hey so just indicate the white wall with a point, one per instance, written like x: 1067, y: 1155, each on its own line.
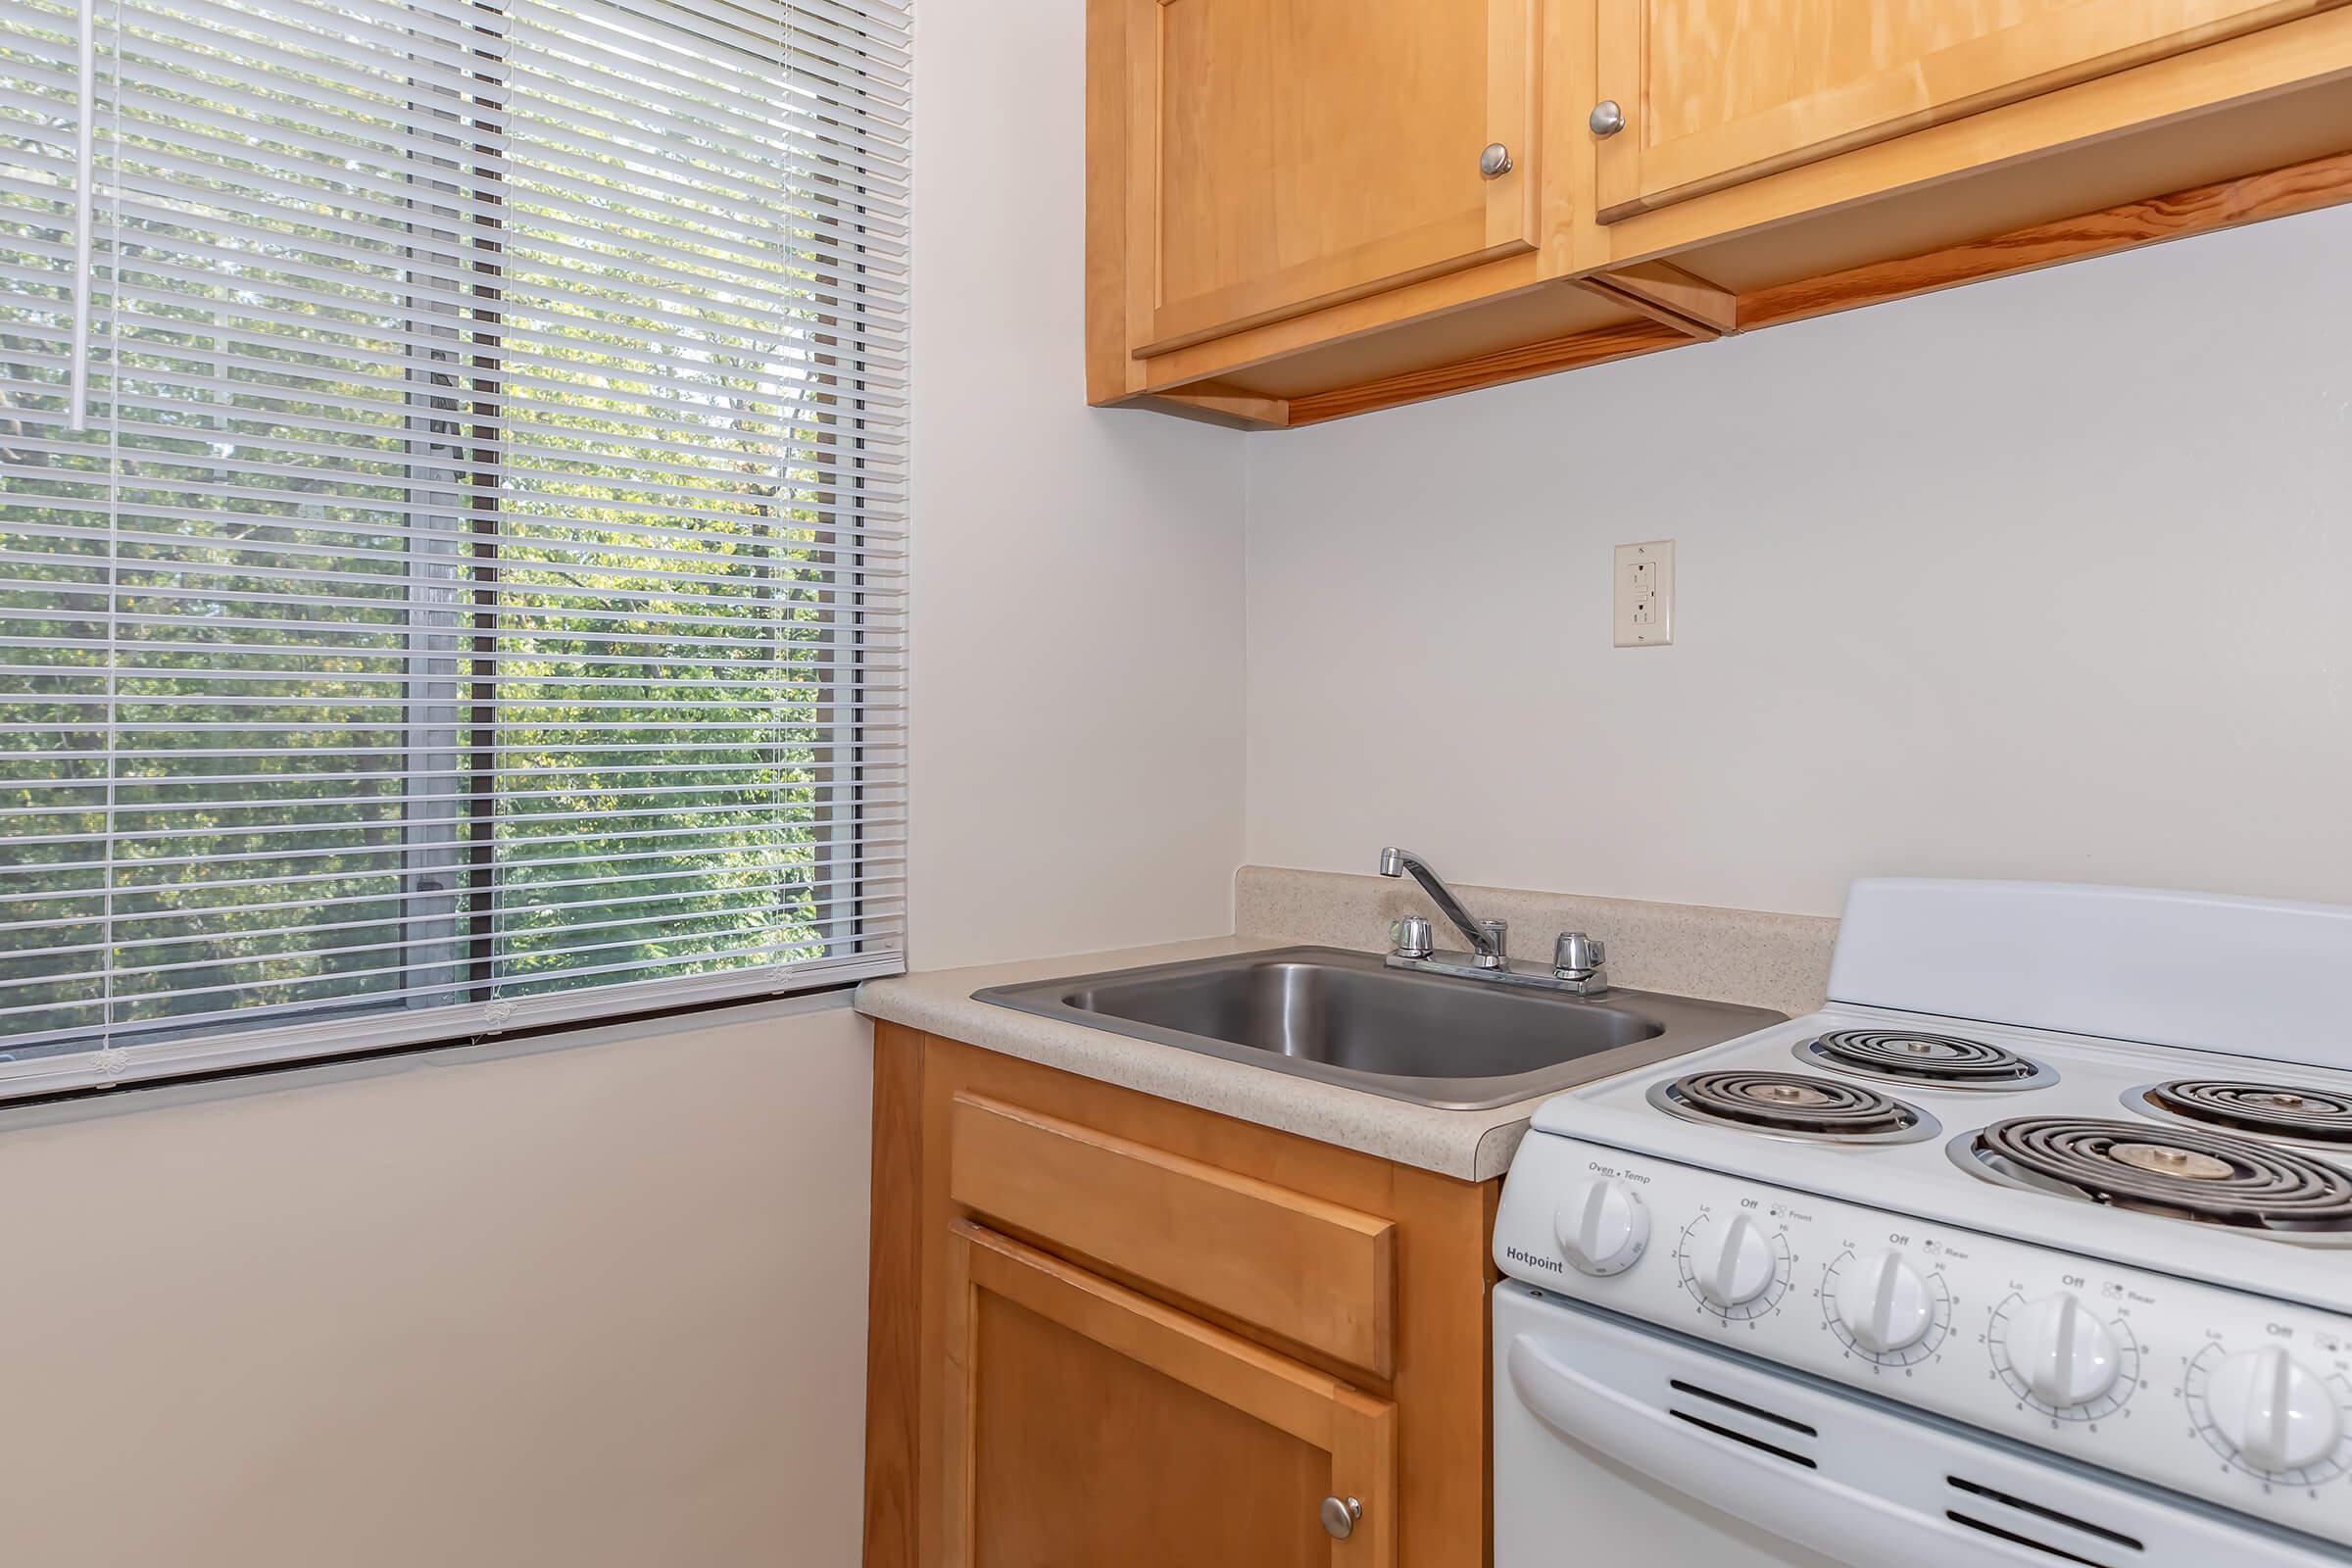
x: 600, y: 1306
x: 2050, y: 577
x: 1077, y: 573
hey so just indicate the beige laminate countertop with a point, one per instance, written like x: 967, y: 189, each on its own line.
x: 1472, y: 1145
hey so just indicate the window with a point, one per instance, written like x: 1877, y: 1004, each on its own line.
x: 452, y: 544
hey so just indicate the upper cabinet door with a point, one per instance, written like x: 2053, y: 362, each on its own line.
x: 1718, y: 91
x: 1290, y: 153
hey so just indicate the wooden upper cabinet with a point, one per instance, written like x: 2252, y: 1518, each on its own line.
x: 1290, y: 153
x: 1088, y: 1425
x: 1719, y: 91
x: 1286, y: 222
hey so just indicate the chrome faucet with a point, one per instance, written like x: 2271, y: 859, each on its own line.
x: 1579, y: 962
x: 1485, y: 937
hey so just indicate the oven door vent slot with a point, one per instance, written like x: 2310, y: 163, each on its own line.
x: 2021, y: 1516
x: 1788, y: 1423
x: 1757, y: 1444
x: 1725, y: 1417
x: 2055, y: 1554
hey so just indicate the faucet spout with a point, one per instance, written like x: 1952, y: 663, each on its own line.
x: 1485, y: 937
x: 1576, y: 959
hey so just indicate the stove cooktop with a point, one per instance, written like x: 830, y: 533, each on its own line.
x: 2100, y: 1145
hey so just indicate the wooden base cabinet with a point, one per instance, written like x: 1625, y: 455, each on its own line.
x: 1289, y: 220
x: 1107, y: 1329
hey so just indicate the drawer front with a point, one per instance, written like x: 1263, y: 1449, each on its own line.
x: 1314, y: 1272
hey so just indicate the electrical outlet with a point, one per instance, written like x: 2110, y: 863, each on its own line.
x: 1645, y: 595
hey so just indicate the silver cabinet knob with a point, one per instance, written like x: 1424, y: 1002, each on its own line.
x: 1607, y: 119
x: 1411, y: 936
x: 1340, y: 1515
x: 1496, y: 161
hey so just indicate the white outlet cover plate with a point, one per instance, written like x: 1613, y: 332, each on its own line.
x: 1643, y: 595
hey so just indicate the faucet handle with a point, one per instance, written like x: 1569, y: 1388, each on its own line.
x: 1575, y: 955
x: 1411, y: 936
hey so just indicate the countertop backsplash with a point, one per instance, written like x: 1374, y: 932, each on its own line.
x: 1744, y: 956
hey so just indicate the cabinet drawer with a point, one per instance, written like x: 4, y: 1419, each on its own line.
x: 1314, y: 1272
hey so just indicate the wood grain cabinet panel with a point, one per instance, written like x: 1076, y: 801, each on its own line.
x: 1088, y: 1425
x: 1716, y: 92
x: 1286, y: 220
x: 1311, y: 1271
x: 1068, y: 1370
x: 1288, y: 154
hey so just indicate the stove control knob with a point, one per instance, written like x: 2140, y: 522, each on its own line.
x: 1884, y: 1303
x: 1603, y: 1226
x: 2272, y: 1411
x: 2066, y: 1355
x: 1740, y: 1267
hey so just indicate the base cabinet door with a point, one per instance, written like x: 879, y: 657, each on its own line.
x: 1088, y: 1425
x: 1713, y: 92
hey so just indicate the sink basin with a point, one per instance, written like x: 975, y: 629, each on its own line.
x: 1345, y: 1017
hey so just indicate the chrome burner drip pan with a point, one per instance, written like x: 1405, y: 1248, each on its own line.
x: 2181, y: 1173
x: 1788, y: 1105
x: 2315, y: 1116
x: 1928, y: 1060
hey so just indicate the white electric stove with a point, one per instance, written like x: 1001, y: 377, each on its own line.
x: 2035, y: 1246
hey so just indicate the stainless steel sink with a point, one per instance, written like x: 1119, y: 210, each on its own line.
x: 1347, y: 1019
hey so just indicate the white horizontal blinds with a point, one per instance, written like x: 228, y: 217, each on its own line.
x: 209, y: 769
x: 51, y: 647
x: 476, y: 597
x: 699, y: 544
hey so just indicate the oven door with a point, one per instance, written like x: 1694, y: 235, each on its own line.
x: 1617, y: 1442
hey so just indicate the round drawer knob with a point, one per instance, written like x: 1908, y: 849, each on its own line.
x: 1607, y: 119
x: 1340, y: 1515
x: 1496, y: 161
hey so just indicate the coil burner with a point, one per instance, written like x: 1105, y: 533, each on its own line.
x: 1792, y: 1105
x: 2280, y: 1110
x: 1940, y: 1062
x: 2181, y: 1173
